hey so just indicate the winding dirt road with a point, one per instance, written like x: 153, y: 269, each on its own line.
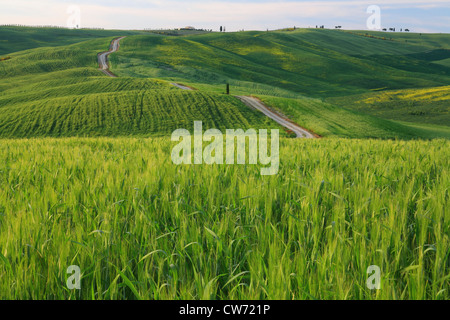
x: 249, y: 101
x: 256, y: 104
x: 181, y: 86
x: 103, y: 57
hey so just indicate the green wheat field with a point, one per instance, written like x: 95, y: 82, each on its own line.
x: 86, y: 176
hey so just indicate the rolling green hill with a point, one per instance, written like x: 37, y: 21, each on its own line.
x: 316, y: 77
x: 59, y: 92
x: 430, y: 40
x: 330, y: 120
x: 336, y: 66
x: 424, y: 105
x: 142, y: 112
x: 13, y: 39
x: 314, y: 63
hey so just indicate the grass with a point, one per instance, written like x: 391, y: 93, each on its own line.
x: 315, y: 63
x: 339, y: 67
x: 430, y: 105
x: 329, y: 120
x: 14, y: 39
x: 58, y: 91
x: 430, y: 40
x: 37, y: 61
x: 142, y: 228
x: 141, y: 113
x: 428, y: 131
x: 89, y: 188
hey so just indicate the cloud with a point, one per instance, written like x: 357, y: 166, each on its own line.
x: 236, y: 15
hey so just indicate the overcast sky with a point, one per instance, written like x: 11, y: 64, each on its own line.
x: 417, y: 15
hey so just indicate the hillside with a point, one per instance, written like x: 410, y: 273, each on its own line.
x: 336, y: 66
x: 425, y: 105
x: 13, y: 39
x: 315, y: 63
x: 322, y: 79
x: 59, y: 92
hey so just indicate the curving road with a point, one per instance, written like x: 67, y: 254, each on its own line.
x: 249, y: 101
x: 180, y: 86
x: 256, y: 104
x: 103, y: 57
